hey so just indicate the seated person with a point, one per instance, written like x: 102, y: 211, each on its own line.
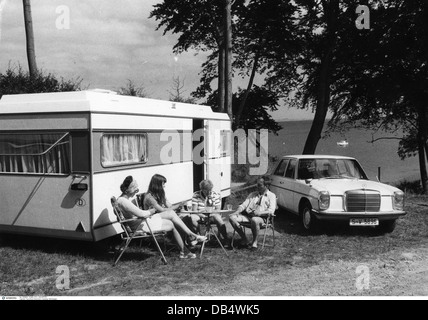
x: 206, y: 196
x: 155, y: 199
x: 129, y: 190
x: 258, y: 203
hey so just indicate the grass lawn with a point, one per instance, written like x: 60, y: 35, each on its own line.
x: 299, y: 264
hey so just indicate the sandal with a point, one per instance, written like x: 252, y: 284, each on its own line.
x: 190, y: 255
x: 198, y: 239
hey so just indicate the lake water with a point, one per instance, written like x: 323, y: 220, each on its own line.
x: 383, y: 154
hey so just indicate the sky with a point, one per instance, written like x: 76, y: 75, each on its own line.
x: 105, y: 43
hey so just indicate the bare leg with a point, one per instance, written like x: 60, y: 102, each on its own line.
x: 256, y: 222
x: 178, y: 223
x: 234, y: 221
x: 167, y: 225
x: 192, y: 222
x: 221, y: 226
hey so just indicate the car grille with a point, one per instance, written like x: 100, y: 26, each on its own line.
x: 362, y: 201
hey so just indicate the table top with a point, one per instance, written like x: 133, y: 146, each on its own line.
x: 205, y: 212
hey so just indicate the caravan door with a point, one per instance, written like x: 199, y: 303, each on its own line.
x: 217, y: 153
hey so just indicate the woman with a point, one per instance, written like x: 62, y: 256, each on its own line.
x: 155, y: 199
x: 129, y: 190
x: 155, y: 196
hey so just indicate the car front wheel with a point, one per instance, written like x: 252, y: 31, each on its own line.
x: 308, y: 219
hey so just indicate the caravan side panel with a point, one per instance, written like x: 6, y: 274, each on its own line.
x: 44, y: 205
x: 169, y: 153
x: 35, y: 202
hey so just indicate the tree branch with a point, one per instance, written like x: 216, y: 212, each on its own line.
x: 384, y: 138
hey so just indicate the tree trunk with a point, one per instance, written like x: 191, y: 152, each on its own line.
x: 331, y: 12
x: 422, y: 144
x: 31, y: 51
x: 221, y: 79
x: 323, y: 102
x: 247, y: 92
x: 228, y: 58
x: 422, y: 164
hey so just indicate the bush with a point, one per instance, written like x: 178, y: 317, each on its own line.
x: 412, y: 187
x: 17, y: 81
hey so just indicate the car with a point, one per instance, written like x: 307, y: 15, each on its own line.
x: 335, y: 188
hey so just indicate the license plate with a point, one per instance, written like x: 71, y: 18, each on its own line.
x: 364, y: 222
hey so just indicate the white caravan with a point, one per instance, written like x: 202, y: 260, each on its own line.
x: 64, y: 155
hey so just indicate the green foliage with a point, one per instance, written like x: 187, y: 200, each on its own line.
x: 17, y: 81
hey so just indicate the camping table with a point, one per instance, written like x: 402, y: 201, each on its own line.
x: 208, y: 229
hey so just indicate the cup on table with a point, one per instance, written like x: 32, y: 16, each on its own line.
x: 188, y: 206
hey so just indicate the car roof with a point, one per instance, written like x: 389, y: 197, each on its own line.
x: 317, y: 156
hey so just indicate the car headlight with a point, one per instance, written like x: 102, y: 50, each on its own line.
x: 398, y: 200
x: 324, y: 200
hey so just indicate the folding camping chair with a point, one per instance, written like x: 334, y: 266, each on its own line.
x: 268, y: 223
x: 209, y: 231
x: 128, y: 235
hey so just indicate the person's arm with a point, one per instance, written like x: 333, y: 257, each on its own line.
x: 154, y: 204
x: 171, y: 206
x: 270, y: 209
x: 242, y: 207
x: 217, y: 202
x: 195, y: 202
x: 129, y: 207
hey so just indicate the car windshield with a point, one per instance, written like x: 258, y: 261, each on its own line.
x: 330, y: 169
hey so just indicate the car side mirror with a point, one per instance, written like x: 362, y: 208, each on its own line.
x: 308, y: 181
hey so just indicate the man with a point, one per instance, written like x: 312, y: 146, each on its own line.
x: 258, y: 203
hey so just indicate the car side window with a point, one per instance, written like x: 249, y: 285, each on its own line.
x: 280, y: 171
x: 291, y: 169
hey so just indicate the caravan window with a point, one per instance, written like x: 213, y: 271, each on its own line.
x: 46, y: 153
x: 123, y: 149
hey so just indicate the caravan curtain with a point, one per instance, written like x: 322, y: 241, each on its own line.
x: 35, y: 153
x: 123, y: 149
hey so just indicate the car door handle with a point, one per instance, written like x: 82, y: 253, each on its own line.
x: 282, y: 182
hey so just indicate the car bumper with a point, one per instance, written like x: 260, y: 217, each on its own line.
x: 345, y: 216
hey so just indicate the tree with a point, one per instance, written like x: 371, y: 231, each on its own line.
x: 31, y: 51
x: 201, y: 26
x: 388, y: 88
x: 131, y: 89
x: 176, y: 95
x: 264, y: 34
x: 260, y: 100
